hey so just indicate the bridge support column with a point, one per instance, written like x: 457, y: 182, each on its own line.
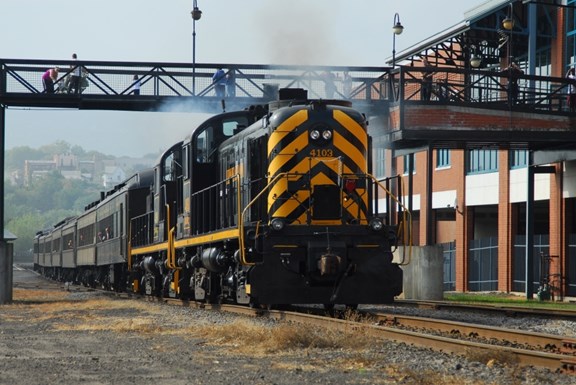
x: 6, y: 260
x: 5, y: 247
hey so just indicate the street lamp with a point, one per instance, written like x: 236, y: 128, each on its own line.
x: 508, y: 25
x: 397, y: 28
x: 508, y: 22
x: 196, y: 15
x: 476, y: 61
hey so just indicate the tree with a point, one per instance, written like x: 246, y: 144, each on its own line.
x: 16, y: 157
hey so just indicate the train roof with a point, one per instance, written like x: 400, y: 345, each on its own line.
x: 140, y: 179
x: 256, y: 111
x: 64, y: 221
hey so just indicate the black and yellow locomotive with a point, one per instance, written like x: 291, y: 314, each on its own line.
x: 270, y: 205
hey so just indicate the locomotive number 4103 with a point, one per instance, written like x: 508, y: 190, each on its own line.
x: 321, y: 153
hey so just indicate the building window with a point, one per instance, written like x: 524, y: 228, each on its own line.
x: 407, y: 161
x: 518, y: 158
x: 482, y: 161
x: 379, y: 163
x: 442, y: 158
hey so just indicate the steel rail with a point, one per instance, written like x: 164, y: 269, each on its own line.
x: 497, y: 308
x: 522, y: 357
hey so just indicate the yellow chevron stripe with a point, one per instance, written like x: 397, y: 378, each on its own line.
x: 290, y: 205
x: 287, y: 153
x: 351, y: 125
x: 351, y: 151
x: 302, y: 167
x: 321, y: 179
x: 285, y: 128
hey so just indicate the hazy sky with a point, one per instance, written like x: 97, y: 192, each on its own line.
x: 325, y: 32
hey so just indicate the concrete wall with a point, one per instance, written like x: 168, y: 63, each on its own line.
x: 424, y: 275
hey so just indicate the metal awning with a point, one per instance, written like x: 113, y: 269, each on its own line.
x: 458, y: 33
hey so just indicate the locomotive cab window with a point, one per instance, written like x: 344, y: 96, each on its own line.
x: 204, y: 146
x: 210, y: 137
x: 185, y: 161
x: 171, y: 167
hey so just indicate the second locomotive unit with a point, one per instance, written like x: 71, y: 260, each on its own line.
x: 265, y: 206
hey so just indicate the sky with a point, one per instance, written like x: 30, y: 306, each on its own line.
x: 321, y: 32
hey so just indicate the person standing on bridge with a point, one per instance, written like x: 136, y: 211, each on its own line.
x: 48, y: 79
x: 219, y: 80
x: 427, y: 77
x: 513, y: 71
x: 571, y: 77
x: 136, y: 85
x: 231, y: 83
x: 75, y: 76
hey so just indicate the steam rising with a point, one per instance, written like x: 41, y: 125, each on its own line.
x: 298, y: 32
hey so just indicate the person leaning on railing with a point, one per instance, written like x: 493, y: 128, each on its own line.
x: 571, y: 98
x: 513, y: 71
x: 48, y: 79
x: 427, y: 77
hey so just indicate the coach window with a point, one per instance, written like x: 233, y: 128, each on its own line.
x: 86, y: 235
x: 68, y: 241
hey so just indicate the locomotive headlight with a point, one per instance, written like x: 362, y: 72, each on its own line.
x: 327, y: 134
x: 277, y: 224
x: 376, y: 224
x: 314, y: 134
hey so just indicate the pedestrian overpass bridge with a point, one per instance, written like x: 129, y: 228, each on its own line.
x: 468, y: 108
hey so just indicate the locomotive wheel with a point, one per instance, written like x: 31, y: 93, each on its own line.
x: 353, y: 306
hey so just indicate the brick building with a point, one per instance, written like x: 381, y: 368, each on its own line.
x: 491, y: 175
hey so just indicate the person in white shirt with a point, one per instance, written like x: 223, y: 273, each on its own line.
x: 75, y: 76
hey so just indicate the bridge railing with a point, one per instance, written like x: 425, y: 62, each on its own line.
x: 184, y: 79
x: 482, y: 88
x: 259, y: 83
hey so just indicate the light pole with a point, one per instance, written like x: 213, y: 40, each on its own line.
x: 397, y: 28
x: 196, y: 15
x: 508, y: 25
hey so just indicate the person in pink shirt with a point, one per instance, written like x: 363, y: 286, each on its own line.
x: 48, y: 79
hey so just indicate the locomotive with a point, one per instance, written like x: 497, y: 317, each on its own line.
x: 271, y: 205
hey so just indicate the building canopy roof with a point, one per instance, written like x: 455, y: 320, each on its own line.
x: 481, y: 33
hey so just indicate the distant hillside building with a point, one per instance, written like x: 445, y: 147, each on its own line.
x: 112, y: 176
x: 67, y: 164
x: 37, y: 168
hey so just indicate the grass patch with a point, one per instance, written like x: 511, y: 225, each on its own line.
x: 246, y: 336
x: 505, y: 299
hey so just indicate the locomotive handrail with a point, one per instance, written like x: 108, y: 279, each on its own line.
x: 171, y: 254
x: 241, y: 219
x: 406, y: 226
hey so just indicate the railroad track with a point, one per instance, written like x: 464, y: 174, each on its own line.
x: 508, y: 310
x: 536, y: 349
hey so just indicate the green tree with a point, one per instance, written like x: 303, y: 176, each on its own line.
x: 56, y: 148
x: 16, y: 157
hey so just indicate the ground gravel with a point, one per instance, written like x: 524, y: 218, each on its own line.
x: 69, y: 337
